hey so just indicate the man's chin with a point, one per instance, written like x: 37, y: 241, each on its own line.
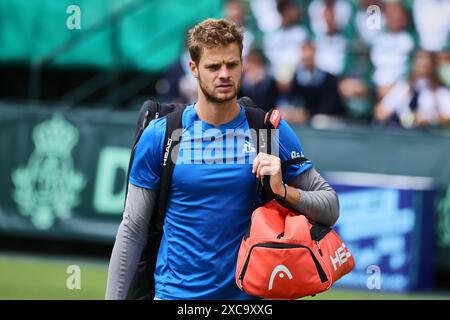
x: 222, y: 98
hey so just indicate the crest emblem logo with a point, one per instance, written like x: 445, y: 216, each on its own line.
x: 48, y: 187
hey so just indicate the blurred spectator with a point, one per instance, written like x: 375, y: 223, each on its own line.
x: 313, y: 92
x: 391, y: 49
x: 331, y: 45
x: 281, y: 46
x: 368, y: 33
x: 257, y: 83
x: 355, y: 85
x: 356, y: 98
x: 266, y: 14
x: 235, y: 11
x: 420, y: 101
x: 443, y: 59
x: 432, y: 21
x: 341, y: 10
x: 178, y: 84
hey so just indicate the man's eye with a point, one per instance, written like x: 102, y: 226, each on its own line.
x: 212, y: 67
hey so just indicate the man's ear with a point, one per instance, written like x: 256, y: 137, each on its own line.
x: 193, y: 68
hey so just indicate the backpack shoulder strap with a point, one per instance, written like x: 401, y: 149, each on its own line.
x: 149, y: 110
x: 255, y: 118
x: 262, y: 123
x: 170, y: 154
x: 143, y: 285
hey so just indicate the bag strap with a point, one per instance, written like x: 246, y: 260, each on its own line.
x: 144, y: 118
x: 257, y: 120
x: 271, y: 121
x: 266, y: 185
x: 170, y: 154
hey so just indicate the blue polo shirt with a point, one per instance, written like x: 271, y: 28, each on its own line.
x: 210, y: 203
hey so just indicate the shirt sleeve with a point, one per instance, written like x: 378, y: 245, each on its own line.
x: 130, y: 241
x: 286, y: 143
x: 318, y: 200
x: 147, y: 163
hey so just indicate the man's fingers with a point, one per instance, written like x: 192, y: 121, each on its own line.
x: 262, y: 163
x: 268, y: 171
x: 265, y: 164
x: 268, y: 167
x: 257, y: 159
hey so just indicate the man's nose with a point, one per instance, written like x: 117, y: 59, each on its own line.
x: 224, y: 73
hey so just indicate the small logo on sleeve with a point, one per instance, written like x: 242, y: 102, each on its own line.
x: 296, y: 154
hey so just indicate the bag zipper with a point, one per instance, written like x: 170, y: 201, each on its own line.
x: 320, y: 271
x: 318, y: 247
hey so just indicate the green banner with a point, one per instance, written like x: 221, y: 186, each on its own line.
x: 63, y: 172
x: 127, y: 34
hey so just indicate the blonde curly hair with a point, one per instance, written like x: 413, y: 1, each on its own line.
x: 212, y: 33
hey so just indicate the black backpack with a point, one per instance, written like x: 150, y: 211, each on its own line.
x: 143, y: 286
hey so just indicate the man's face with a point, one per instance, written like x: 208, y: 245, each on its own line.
x: 396, y: 16
x: 235, y: 12
x: 423, y: 65
x: 219, y: 73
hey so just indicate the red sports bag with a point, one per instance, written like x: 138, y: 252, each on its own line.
x: 284, y: 256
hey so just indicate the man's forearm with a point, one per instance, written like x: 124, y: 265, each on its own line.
x: 311, y: 195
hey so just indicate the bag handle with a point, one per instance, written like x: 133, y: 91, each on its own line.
x: 265, y: 183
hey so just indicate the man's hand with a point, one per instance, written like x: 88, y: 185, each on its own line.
x: 266, y: 164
